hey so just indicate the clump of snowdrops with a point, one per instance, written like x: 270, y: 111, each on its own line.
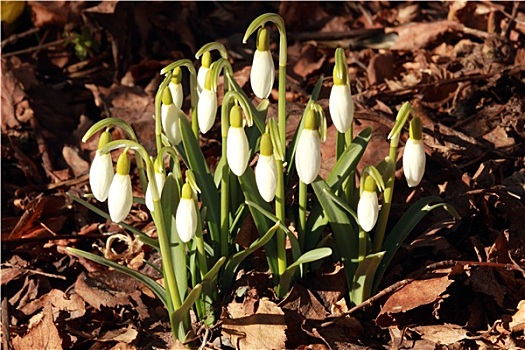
x: 199, y: 213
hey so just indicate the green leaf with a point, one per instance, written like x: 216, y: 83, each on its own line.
x: 237, y: 258
x: 308, y: 257
x: 401, y: 120
x: 177, y: 317
x: 296, y: 249
x: 404, y: 226
x: 210, y: 193
x: 148, y: 281
x: 248, y: 186
x: 364, y: 278
x: 340, y: 202
x: 170, y: 200
x: 348, y: 161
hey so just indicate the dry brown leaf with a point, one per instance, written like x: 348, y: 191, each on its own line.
x: 415, y: 36
x: 309, y: 61
x: 263, y: 330
x: 519, y: 317
x: 75, y: 161
x: 125, y: 335
x: 442, y: 334
x: 105, y: 288
x: 42, y: 334
x: 415, y: 294
x: 304, y: 302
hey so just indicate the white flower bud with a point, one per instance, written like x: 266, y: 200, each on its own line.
x: 160, y: 180
x: 414, y: 161
x: 341, y: 107
x: 237, y: 150
x: 262, y: 74
x: 368, y: 210
x: 170, y: 118
x: 266, y: 176
x: 308, y: 155
x: 186, y: 215
x: 120, y: 197
x: 176, y: 93
x: 206, y: 110
x: 100, y: 175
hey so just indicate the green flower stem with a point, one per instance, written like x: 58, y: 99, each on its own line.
x: 301, y: 227
x: 201, y: 252
x: 363, y: 241
x: 281, y: 119
x: 350, y: 189
x: 382, y: 221
x: 158, y: 219
x: 225, y: 184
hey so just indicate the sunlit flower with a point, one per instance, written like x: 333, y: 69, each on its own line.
x: 266, y: 170
x: 203, y: 71
x: 237, y: 147
x: 120, y: 196
x: 101, y: 172
x: 207, y: 106
x: 308, y: 154
x: 175, y: 87
x: 262, y: 74
x: 160, y: 180
x: 170, y: 117
x: 414, y: 157
x: 341, y: 105
x: 186, y: 216
x: 368, y: 206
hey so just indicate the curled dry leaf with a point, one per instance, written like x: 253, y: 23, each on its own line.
x: 43, y: 333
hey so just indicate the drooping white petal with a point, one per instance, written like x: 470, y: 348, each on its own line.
x: 201, y: 78
x: 100, y: 175
x: 341, y: 107
x: 308, y: 156
x: 266, y: 177
x: 367, y: 210
x: 120, y: 197
x: 176, y: 93
x: 160, y: 179
x: 170, y: 115
x: 414, y: 160
x: 206, y: 110
x: 186, y: 219
x: 262, y: 74
x: 237, y: 150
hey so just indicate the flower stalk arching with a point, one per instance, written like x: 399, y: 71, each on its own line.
x: 106, y: 124
x: 281, y: 115
x: 168, y: 270
x: 193, y: 92
x: 393, y: 136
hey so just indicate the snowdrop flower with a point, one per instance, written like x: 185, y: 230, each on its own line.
x: 414, y: 154
x: 340, y: 104
x: 262, y: 74
x: 170, y: 115
x: 207, y: 106
x: 120, y: 197
x: 186, y: 216
x: 160, y: 180
x: 203, y: 71
x: 368, y: 206
x: 237, y: 147
x: 266, y: 170
x: 308, y: 154
x: 175, y: 87
x: 101, y: 172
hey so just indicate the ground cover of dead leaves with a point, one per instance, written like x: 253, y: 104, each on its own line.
x: 461, y: 64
